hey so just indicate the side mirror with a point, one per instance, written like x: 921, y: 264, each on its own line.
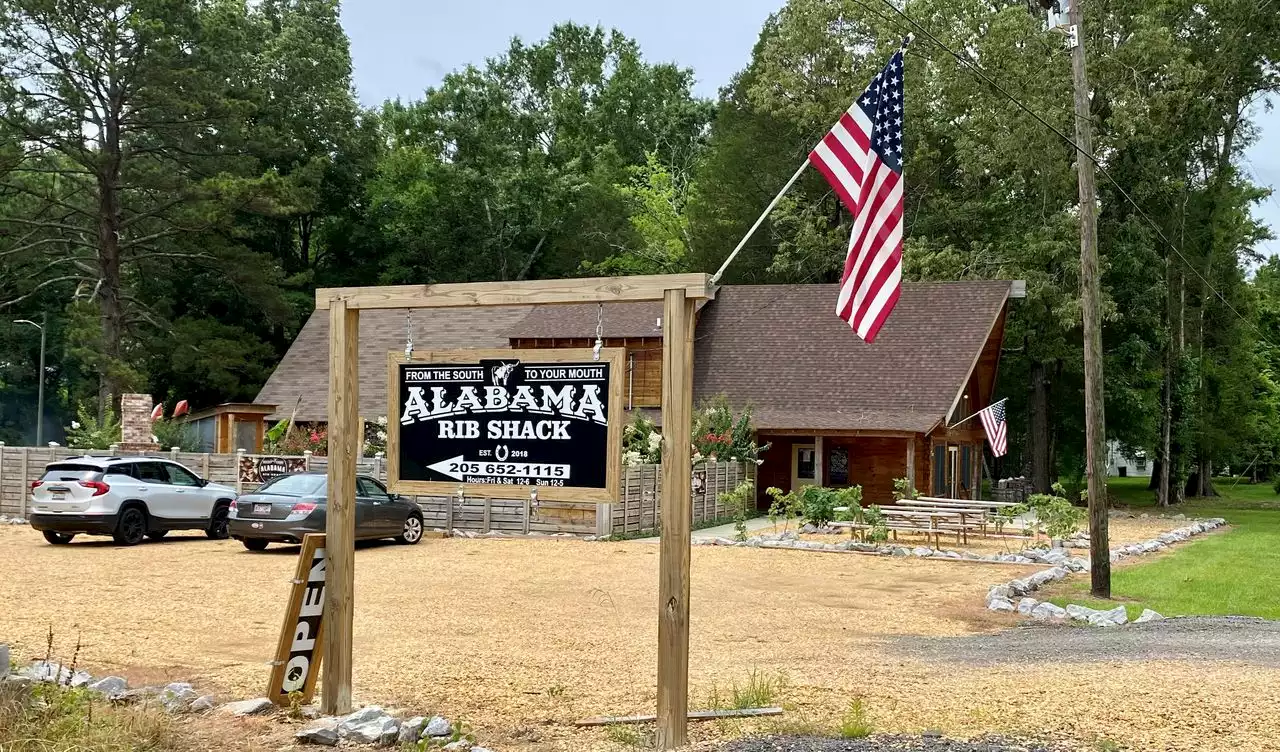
x: 203, y: 482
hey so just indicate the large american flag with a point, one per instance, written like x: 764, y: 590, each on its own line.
x: 862, y: 160
x: 997, y: 430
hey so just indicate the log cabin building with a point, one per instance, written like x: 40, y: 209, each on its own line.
x: 836, y: 410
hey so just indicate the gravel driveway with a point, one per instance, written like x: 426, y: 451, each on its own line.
x: 882, y: 744
x: 1228, y: 638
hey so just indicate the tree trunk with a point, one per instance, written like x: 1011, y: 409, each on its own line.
x: 1160, y: 479
x: 1175, y: 459
x: 1038, y: 433
x: 1157, y: 474
x: 109, y: 292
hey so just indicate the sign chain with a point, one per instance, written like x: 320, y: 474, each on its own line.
x: 595, y: 350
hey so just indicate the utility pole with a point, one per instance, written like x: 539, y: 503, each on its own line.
x: 1090, y: 302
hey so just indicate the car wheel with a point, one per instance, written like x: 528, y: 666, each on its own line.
x: 412, y: 532
x: 217, y: 529
x: 157, y: 534
x: 131, y: 528
x: 57, y: 539
x: 255, y: 544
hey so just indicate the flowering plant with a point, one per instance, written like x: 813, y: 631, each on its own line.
x: 302, y: 439
x: 719, y: 435
x: 375, y: 436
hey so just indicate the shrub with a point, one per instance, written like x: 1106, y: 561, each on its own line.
x: 1275, y: 484
x: 170, y: 433
x: 785, y: 506
x: 641, y: 442
x: 1058, y: 517
x: 87, y: 433
x: 740, y: 501
x: 873, y: 517
x: 902, y: 489
x: 718, y: 434
x: 856, y: 723
x: 819, y: 504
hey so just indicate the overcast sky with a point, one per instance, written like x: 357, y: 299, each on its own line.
x: 400, y: 47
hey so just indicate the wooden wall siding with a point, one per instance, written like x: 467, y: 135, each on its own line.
x: 639, y: 506
x: 636, y: 509
x: 776, y: 470
x: 644, y: 354
x: 874, y: 463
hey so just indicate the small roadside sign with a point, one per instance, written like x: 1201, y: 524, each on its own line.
x: 297, y: 663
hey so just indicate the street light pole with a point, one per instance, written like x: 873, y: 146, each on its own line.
x: 40, y: 379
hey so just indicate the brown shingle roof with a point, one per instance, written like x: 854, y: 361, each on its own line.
x: 620, y: 320
x: 779, y: 347
x: 782, y: 348
x: 304, y: 370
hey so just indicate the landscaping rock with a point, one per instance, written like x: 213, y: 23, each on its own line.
x: 370, y: 725
x: 1048, y: 611
x: 248, y: 707
x: 921, y: 551
x: 1020, y: 587
x: 1080, y: 613
x: 462, y: 745
x: 1146, y: 616
x: 324, y: 733
x: 1001, y: 604
x: 437, y: 726
x: 1001, y: 591
x: 1027, y: 605
x: 411, y: 730
x: 1041, y: 578
x: 177, y: 696
x: 4, y: 661
x: 52, y: 671
x: 111, y: 686
x: 1100, y: 619
x: 900, y: 551
x: 203, y: 704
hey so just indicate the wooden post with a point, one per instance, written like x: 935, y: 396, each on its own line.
x: 1090, y: 303
x: 23, y: 483
x: 911, y: 462
x: 488, y: 503
x: 1, y: 473
x: 340, y: 521
x: 673, y: 567
x: 239, y: 481
x: 817, y: 461
x: 204, y: 466
x: 528, y: 510
x: 626, y: 493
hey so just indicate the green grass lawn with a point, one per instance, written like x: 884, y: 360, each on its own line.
x: 1225, y: 573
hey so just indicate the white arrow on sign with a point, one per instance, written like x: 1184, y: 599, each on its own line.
x: 458, y: 467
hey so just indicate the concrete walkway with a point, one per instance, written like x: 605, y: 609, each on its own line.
x: 726, y: 530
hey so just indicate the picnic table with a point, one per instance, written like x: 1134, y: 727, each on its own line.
x: 934, y: 521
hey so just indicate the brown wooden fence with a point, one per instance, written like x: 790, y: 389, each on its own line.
x: 637, y: 509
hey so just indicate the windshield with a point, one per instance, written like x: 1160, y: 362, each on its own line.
x: 71, y: 472
x: 294, y: 485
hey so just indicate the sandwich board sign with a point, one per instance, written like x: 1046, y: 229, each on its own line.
x: 506, y: 422
x: 297, y: 663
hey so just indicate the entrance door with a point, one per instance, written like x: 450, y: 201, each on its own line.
x: 803, y: 465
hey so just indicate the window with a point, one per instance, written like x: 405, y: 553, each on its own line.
x: 149, y: 472
x: 804, y: 463
x: 303, y: 484
x: 70, y: 472
x: 1140, y: 460
x: 180, y: 476
x: 370, y: 489
x: 965, y: 467
x: 839, y: 466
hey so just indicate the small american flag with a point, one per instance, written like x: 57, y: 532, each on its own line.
x: 862, y: 160
x: 997, y: 430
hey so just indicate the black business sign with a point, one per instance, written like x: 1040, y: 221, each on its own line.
x: 542, y: 418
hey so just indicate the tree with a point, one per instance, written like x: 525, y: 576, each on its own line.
x: 124, y: 136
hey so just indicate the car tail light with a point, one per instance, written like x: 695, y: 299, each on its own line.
x: 303, y: 507
x: 99, y: 488
x: 232, y: 508
x: 36, y: 484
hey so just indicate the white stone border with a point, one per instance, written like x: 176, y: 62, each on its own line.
x: 1000, y: 597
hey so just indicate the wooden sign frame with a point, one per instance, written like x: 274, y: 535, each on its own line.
x: 289, y: 630
x: 614, y: 356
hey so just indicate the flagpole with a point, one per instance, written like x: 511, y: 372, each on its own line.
x: 980, y: 412
x: 715, y: 278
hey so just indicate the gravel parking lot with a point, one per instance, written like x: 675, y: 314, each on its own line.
x: 522, y: 637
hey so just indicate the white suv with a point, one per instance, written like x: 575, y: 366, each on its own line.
x: 127, y: 498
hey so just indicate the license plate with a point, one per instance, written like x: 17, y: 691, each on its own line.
x: 59, y: 495
x: 262, y: 509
